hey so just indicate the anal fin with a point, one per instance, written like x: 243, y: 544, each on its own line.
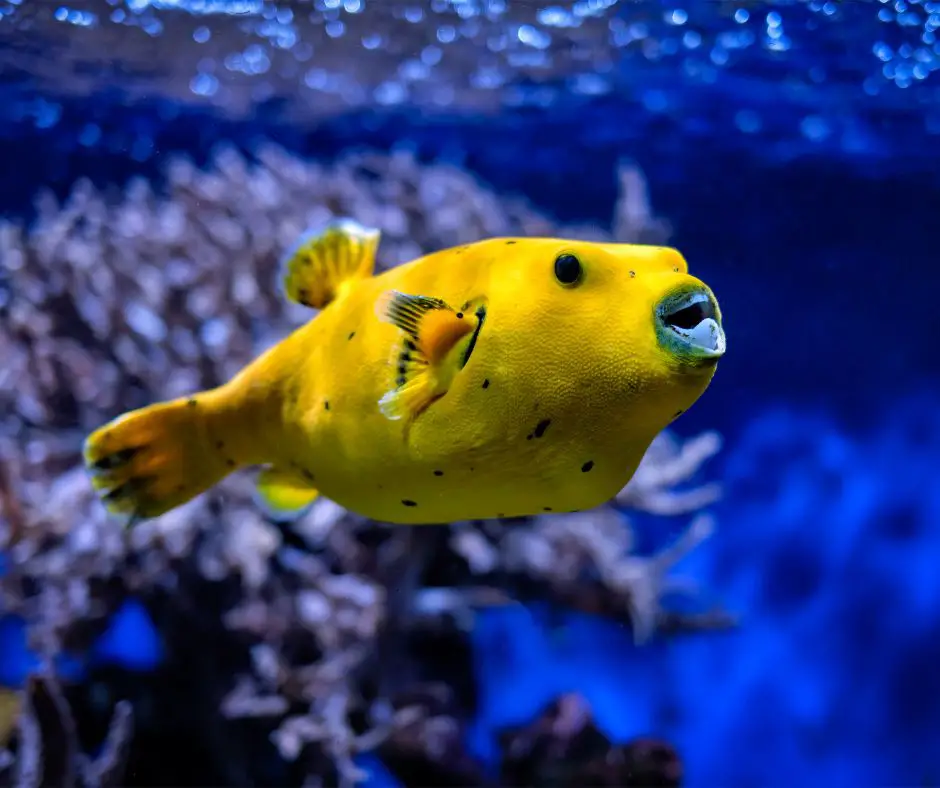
x: 323, y: 260
x: 284, y: 493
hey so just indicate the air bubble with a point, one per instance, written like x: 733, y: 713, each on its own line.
x: 677, y: 17
x: 815, y: 128
x: 204, y: 85
x: 533, y: 37
x: 389, y: 93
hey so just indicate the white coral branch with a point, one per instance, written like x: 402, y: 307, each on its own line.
x: 645, y: 581
x: 667, y: 463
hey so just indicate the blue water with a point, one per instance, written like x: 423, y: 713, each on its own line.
x: 802, y: 180
x: 827, y: 547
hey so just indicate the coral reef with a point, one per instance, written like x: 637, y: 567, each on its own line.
x: 254, y: 652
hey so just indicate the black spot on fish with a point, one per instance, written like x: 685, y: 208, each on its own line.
x: 230, y: 463
x: 410, y: 345
x: 402, y: 369
x: 541, y: 427
x: 219, y: 445
x: 438, y: 473
x: 404, y: 356
x: 192, y: 402
x: 471, y: 469
x: 307, y: 475
x: 400, y: 381
x: 406, y: 502
x: 587, y: 466
x: 500, y: 514
x: 546, y: 508
x: 632, y: 274
x: 486, y: 383
x: 303, y: 296
x: 351, y: 335
x: 179, y: 488
x: 509, y: 243
x: 675, y: 270
x: 529, y: 436
x: 678, y: 413
x: 326, y: 404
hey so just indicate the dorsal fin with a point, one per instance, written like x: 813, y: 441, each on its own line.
x: 324, y: 260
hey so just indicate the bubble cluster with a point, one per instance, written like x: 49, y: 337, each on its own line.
x: 332, y: 56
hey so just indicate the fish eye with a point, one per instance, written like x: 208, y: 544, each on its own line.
x: 568, y: 269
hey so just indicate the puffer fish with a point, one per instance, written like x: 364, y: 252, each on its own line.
x: 504, y: 378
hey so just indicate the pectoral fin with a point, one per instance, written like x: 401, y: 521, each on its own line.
x: 432, y: 328
x: 323, y: 261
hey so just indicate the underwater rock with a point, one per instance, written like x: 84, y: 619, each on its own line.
x: 563, y: 747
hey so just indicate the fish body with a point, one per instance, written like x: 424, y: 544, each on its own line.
x: 509, y: 377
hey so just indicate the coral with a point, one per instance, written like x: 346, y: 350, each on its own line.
x: 48, y: 746
x: 563, y: 747
x: 319, y: 643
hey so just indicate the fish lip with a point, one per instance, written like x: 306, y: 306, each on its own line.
x: 688, y: 324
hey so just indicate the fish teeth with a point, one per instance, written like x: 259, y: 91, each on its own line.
x: 707, y: 335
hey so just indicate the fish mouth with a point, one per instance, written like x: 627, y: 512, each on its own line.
x: 688, y: 323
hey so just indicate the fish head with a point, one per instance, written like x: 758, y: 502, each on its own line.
x: 622, y: 326
x: 579, y: 354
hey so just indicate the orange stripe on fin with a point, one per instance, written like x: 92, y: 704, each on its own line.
x: 432, y: 328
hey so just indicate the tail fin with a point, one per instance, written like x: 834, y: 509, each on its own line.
x: 152, y: 460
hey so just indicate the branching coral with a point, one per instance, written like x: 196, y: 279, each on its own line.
x: 111, y: 301
x: 48, y: 745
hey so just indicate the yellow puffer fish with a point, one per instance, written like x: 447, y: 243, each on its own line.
x: 508, y: 377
